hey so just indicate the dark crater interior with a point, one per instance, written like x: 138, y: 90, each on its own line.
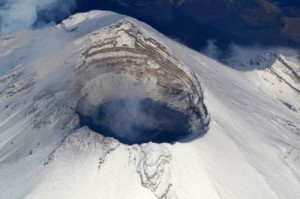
x: 137, y: 121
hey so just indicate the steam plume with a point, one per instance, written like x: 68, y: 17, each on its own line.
x: 23, y: 14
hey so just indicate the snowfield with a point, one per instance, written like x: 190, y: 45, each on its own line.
x: 251, y: 150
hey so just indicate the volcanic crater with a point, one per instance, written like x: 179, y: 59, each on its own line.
x: 130, y: 87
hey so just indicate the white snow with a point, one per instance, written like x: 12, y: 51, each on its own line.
x: 252, y: 149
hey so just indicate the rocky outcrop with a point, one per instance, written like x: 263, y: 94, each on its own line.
x: 154, y: 170
x: 280, y: 78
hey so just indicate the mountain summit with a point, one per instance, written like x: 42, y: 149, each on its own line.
x: 104, y: 106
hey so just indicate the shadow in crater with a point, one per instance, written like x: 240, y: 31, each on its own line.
x: 137, y: 121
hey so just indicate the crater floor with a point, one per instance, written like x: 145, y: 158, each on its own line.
x: 137, y: 121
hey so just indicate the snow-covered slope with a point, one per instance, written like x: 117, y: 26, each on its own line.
x: 251, y: 150
x: 278, y: 77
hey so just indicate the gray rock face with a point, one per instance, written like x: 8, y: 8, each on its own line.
x: 122, y: 62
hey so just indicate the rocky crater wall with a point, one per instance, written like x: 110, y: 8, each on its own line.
x: 121, y: 62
